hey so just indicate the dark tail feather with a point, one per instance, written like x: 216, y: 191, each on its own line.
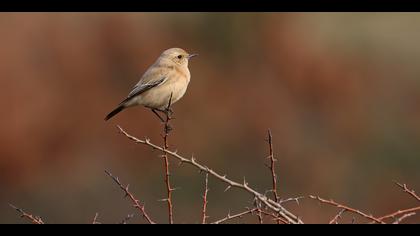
x: 114, y: 112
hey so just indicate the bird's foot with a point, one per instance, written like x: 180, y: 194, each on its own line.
x: 157, y: 114
x: 169, y: 111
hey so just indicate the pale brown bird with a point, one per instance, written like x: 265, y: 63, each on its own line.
x: 167, y: 79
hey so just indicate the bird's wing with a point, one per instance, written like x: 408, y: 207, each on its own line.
x: 143, y: 87
x: 140, y: 88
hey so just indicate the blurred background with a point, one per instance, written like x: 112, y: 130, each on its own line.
x: 339, y: 91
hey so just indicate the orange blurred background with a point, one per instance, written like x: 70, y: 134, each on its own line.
x: 339, y: 91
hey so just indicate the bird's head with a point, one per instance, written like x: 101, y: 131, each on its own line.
x: 177, y: 55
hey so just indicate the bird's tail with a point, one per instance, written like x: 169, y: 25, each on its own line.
x: 114, y: 112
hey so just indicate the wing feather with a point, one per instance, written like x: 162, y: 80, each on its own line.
x: 141, y: 88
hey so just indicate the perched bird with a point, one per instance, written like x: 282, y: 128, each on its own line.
x: 166, y: 80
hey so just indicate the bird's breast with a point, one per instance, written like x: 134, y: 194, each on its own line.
x: 158, y: 97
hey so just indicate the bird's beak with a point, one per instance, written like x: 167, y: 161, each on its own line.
x: 192, y: 55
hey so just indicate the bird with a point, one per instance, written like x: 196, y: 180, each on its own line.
x: 164, y: 82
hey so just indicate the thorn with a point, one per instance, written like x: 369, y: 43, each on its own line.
x: 228, y: 187
x: 13, y: 206
x: 245, y: 183
x: 175, y: 188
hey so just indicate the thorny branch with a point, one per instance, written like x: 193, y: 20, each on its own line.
x: 259, y: 212
x: 337, y: 217
x: 407, y: 212
x: 270, y: 203
x: 126, y: 219
x: 254, y: 210
x: 272, y: 167
x: 399, y: 212
x: 95, y: 219
x: 132, y: 198
x: 273, y: 171
x: 273, y: 216
x: 33, y: 219
x: 333, y: 203
x: 292, y: 199
x: 239, y: 215
x: 407, y: 190
x: 263, y: 205
x: 206, y: 190
x: 167, y: 128
x: 398, y: 220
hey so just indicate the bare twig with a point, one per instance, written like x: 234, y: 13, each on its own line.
x: 33, y: 219
x: 332, y: 203
x: 126, y: 219
x: 132, y: 198
x: 206, y: 190
x: 407, y: 212
x: 292, y: 199
x: 95, y: 219
x: 257, y: 205
x: 251, y: 211
x: 337, y: 217
x: 399, y: 212
x: 272, y: 167
x: 398, y: 220
x: 273, y: 216
x: 407, y: 190
x: 169, y: 189
x: 239, y: 215
x: 270, y: 203
x: 260, y: 217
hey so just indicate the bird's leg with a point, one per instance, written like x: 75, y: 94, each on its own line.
x: 168, y: 109
x: 168, y: 112
x: 157, y: 114
x: 164, y: 111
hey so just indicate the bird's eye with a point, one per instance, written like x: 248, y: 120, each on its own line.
x: 179, y: 57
